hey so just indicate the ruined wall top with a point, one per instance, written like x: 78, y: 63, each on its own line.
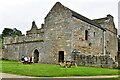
x: 104, y: 19
x: 32, y: 35
x: 107, y: 23
x: 34, y: 29
x: 24, y: 39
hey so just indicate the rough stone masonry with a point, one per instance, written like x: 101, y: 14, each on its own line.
x: 67, y: 36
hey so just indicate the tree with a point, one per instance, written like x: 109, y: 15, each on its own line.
x: 11, y: 32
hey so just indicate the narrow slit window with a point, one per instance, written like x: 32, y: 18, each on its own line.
x: 94, y: 34
x: 86, y: 35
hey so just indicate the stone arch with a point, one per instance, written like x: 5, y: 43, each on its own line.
x: 35, y: 55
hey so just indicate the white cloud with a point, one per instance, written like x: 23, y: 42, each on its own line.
x: 20, y: 13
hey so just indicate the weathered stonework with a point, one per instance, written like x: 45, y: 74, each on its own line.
x: 94, y: 60
x: 118, y: 59
x: 63, y: 32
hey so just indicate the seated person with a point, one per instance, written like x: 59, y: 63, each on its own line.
x: 26, y: 60
x: 22, y: 59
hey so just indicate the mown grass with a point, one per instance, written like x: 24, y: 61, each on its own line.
x: 50, y: 70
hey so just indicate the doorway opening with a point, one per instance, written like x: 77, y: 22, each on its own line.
x: 36, y: 56
x: 61, y: 56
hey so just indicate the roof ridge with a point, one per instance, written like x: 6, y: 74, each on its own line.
x: 79, y: 16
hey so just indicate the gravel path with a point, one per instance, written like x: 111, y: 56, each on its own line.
x: 5, y: 75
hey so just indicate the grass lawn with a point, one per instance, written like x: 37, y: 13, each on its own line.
x: 50, y: 70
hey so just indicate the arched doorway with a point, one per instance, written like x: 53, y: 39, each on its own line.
x: 36, y: 56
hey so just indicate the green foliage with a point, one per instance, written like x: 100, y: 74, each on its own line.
x: 50, y: 70
x: 11, y: 32
x: 0, y: 36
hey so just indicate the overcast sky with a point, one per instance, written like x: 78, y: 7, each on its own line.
x: 20, y: 13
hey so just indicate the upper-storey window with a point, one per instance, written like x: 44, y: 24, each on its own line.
x: 94, y: 34
x: 86, y: 35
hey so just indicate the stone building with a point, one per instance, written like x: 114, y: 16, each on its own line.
x: 69, y: 36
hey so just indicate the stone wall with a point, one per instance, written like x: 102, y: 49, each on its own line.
x: 118, y: 59
x: 64, y: 30
x: 111, y: 44
x: 103, y: 61
x: 24, y: 39
x: 15, y: 51
x: 94, y: 44
x: 58, y: 33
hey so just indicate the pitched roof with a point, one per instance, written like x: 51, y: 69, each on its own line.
x: 85, y: 19
x: 79, y: 16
